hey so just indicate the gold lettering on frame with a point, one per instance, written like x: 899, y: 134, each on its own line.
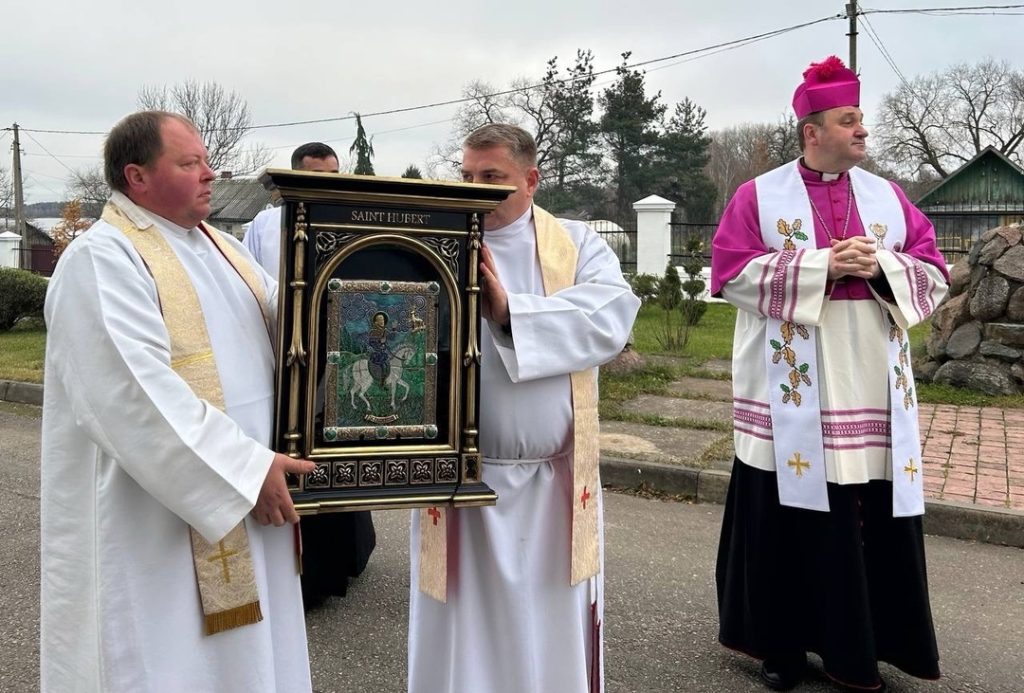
x: 384, y: 217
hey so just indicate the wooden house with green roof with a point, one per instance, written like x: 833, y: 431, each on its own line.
x: 986, y: 192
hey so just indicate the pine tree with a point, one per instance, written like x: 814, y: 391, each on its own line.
x: 681, y: 161
x: 630, y: 128
x: 363, y: 149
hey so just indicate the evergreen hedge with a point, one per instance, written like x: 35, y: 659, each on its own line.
x: 22, y: 294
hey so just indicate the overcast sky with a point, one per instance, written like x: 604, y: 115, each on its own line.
x: 73, y: 65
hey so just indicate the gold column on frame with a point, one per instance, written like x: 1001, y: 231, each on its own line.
x: 471, y: 359
x: 296, y: 358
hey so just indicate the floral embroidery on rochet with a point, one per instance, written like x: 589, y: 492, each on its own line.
x: 791, y: 231
x: 879, y: 231
x: 901, y: 369
x: 784, y: 351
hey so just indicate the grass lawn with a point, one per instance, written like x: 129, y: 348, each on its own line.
x: 21, y: 355
x: 711, y: 339
x: 21, y: 358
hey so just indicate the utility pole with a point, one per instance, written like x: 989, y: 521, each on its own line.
x: 19, y: 200
x: 851, y: 13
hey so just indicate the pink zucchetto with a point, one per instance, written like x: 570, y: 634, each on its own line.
x: 828, y: 84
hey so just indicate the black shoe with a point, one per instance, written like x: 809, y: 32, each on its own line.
x: 782, y: 675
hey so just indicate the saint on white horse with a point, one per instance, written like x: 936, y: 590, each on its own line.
x: 361, y: 379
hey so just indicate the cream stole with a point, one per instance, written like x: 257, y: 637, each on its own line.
x: 558, y: 257
x: 791, y: 350
x: 227, y: 581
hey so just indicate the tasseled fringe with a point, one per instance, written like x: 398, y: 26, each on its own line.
x: 233, y: 618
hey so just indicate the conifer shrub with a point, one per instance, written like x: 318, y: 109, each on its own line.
x: 22, y: 294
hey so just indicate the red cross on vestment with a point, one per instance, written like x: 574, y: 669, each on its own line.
x: 435, y: 514
x: 585, y: 497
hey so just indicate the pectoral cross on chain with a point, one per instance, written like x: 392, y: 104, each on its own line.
x: 223, y: 557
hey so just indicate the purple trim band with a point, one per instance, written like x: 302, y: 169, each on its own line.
x: 777, y: 302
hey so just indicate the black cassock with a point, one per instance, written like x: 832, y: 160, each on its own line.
x: 849, y: 585
x: 335, y: 547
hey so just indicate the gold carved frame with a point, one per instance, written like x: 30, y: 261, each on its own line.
x: 299, y: 334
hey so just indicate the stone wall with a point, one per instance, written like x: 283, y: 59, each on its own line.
x: 977, y: 337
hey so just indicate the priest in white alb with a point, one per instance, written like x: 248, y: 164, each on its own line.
x: 821, y: 548
x: 509, y: 598
x: 168, y: 547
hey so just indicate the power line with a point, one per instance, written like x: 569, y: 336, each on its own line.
x: 687, y: 55
x: 731, y: 46
x: 948, y: 11
x: 32, y: 179
x: 452, y: 102
x: 99, y: 157
x: 66, y: 156
x: 709, y: 50
x: 877, y: 40
x: 47, y: 175
x: 70, y: 170
x: 371, y: 134
x: 741, y: 44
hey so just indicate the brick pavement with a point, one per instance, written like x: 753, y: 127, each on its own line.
x: 974, y: 454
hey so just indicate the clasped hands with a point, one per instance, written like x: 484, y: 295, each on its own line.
x: 274, y: 504
x: 853, y: 257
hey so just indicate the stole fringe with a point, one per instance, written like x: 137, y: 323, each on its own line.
x: 233, y: 618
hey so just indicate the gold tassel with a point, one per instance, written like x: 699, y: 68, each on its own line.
x: 233, y: 618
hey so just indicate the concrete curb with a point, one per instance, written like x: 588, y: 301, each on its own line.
x: 941, y: 518
x: 21, y: 393
x: 989, y: 525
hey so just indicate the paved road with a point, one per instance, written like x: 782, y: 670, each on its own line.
x: 661, y: 604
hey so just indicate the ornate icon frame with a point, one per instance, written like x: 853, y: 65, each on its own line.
x: 360, y: 254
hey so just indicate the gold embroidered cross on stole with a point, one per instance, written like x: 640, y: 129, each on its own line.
x: 227, y: 580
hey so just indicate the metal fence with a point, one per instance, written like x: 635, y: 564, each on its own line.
x: 682, y: 233
x: 957, y: 227
x: 621, y: 238
x: 956, y: 230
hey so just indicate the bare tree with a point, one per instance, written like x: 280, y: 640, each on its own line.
x: 222, y: 117
x: 482, y: 108
x: 783, y: 140
x: 742, y: 152
x: 557, y: 111
x: 736, y: 155
x: 90, y: 187
x: 942, y: 120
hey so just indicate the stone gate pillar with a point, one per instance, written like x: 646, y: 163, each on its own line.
x: 653, y: 234
x: 10, y: 249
